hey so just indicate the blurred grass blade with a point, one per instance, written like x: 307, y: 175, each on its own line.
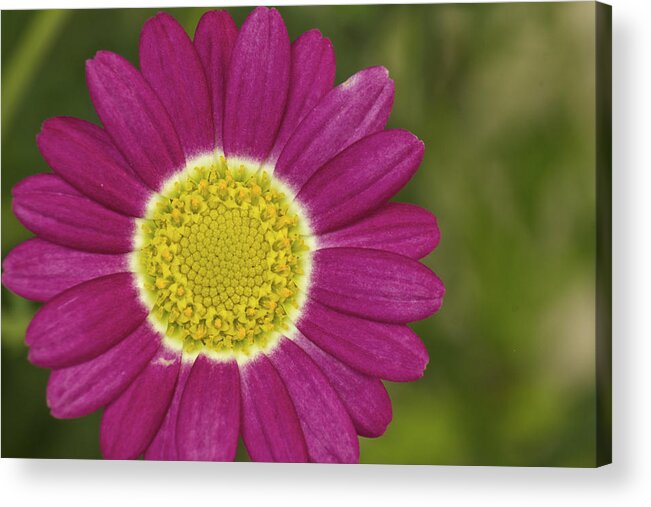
x: 32, y: 48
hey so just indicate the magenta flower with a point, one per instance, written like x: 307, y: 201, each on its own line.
x: 220, y: 259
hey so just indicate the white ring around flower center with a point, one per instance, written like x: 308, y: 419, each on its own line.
x: 222, y: 259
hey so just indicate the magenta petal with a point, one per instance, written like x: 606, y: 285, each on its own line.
x: 214, y: 40
x: 171, y: 65
x: 361, y: 178
x: 78, y: 390
x: 134, y: 118
x: 84, y: 155
x: 256, y: 90
x: 389, y: 351
x: 328, y: 430
x: 270, y: 427
x: 377, y: 285
x: 353, y: 110
x: 311, y: 77
x: 397, y: 227
x: 365, y: 398
x: 132, y: 420
x: 84, y: 321
x: 209, y: 414
x: 39, y: 270
x: 163, y: 446
x: 54, y: 210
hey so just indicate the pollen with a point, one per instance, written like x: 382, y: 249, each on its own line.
x: 222, y: 259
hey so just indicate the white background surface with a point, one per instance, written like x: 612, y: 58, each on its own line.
x: 627, y: 482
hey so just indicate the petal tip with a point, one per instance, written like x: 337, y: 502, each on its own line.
x: 162, y: 15
x: 163, y: 19
x: 101, y: 58
x: 102, y: 54
x: 378, y: 71
x: 218, y: 16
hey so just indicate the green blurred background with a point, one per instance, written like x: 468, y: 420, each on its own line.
x: 503, y: 96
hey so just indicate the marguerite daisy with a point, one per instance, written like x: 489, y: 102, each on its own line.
x: 220, y: 259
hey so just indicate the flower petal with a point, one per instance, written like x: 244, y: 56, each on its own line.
x: 134, y: 118
x: 270, y: 427
x: 388, y: 351
x: 214, y: 40
x: 39, y: 270
x: 328, y: 430
x: 377, y: 285
x: 172, y: 68
x: 78, y: 390
x: 361, y: 178
x: 84, y: 155
x: 209, y: 414
x: 355, y: 109
x: 365, y: 398
x: 256, y: 90
x: 132, y: 420
x: 84, y: 321
x: 396, y: 227
x: 163, y: 446
x: 54, y: 210
x: 311, y: 77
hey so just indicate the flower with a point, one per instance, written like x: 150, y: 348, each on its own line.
x: 220, y: 259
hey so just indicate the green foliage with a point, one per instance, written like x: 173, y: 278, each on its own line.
x: 503, y: 96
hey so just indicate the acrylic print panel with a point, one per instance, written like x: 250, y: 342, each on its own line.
x: 369, y: 234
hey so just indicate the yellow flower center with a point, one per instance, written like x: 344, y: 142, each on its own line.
x: 221, y: 259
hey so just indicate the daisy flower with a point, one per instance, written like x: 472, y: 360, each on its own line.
x: 220, y: 258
